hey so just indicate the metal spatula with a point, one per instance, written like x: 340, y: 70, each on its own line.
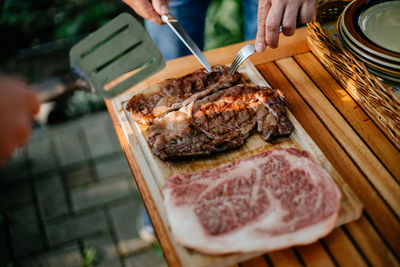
x: 119, y: 47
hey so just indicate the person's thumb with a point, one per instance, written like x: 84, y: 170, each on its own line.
x: 161, y: 6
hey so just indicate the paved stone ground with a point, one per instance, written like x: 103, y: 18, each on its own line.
x: 68, y: 194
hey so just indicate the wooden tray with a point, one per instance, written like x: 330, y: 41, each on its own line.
x: 156, y: 172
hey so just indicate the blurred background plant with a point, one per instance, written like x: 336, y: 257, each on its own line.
x: 90, y: 257
x: 224, y: 23
x: 35, y: 23
x: 37, y: 36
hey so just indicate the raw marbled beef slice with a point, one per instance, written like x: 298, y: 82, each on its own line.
x: 265, y: 202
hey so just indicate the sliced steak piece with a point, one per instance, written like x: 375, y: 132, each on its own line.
x: 145, y: 107
x: 235, y: 111
x: 174, y: 136
x: 219, y: 121
x: 265, y: 202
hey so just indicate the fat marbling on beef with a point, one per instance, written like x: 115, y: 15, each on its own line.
x: 265, y: 202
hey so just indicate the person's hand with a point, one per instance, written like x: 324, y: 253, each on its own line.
x: 18, y: 104
x: 274, y: 13
x: 151, y: 10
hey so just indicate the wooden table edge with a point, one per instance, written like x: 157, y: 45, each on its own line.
x: 162, y: 235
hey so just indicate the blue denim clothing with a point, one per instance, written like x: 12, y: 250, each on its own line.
x: 191, y: 15
x: 250, y: 8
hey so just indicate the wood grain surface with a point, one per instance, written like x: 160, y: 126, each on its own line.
x: 326, y: 111
x: 382, y: 216
x: 377, y: 174
x: 362, y: 124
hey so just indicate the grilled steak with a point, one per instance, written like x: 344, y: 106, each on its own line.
x: 219, y: 121
x: 234, y: 112
x: 144, y: 108
x: 203, y: 113
x: 265, y: 202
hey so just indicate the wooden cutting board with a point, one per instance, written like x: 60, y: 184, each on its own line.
x: 156, y: 171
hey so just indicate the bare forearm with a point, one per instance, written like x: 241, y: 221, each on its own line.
x: 18, y: 105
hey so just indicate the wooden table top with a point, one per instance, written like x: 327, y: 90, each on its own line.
x: 357, y: 148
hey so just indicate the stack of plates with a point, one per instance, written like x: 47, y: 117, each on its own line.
x: 370, y: 30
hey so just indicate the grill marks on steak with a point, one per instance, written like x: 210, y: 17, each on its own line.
x: 218, y: 121
x: 269, y: 201
x: 235, y: 111
x: 173, y: 136
x: 225, y: 114
x: 145, y: 108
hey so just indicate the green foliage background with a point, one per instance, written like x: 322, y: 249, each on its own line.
x: 31, y: 23
x: 48, y: 28
x: 224, y: 23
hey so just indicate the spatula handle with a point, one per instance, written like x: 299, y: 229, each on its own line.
x: 57, y: 86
